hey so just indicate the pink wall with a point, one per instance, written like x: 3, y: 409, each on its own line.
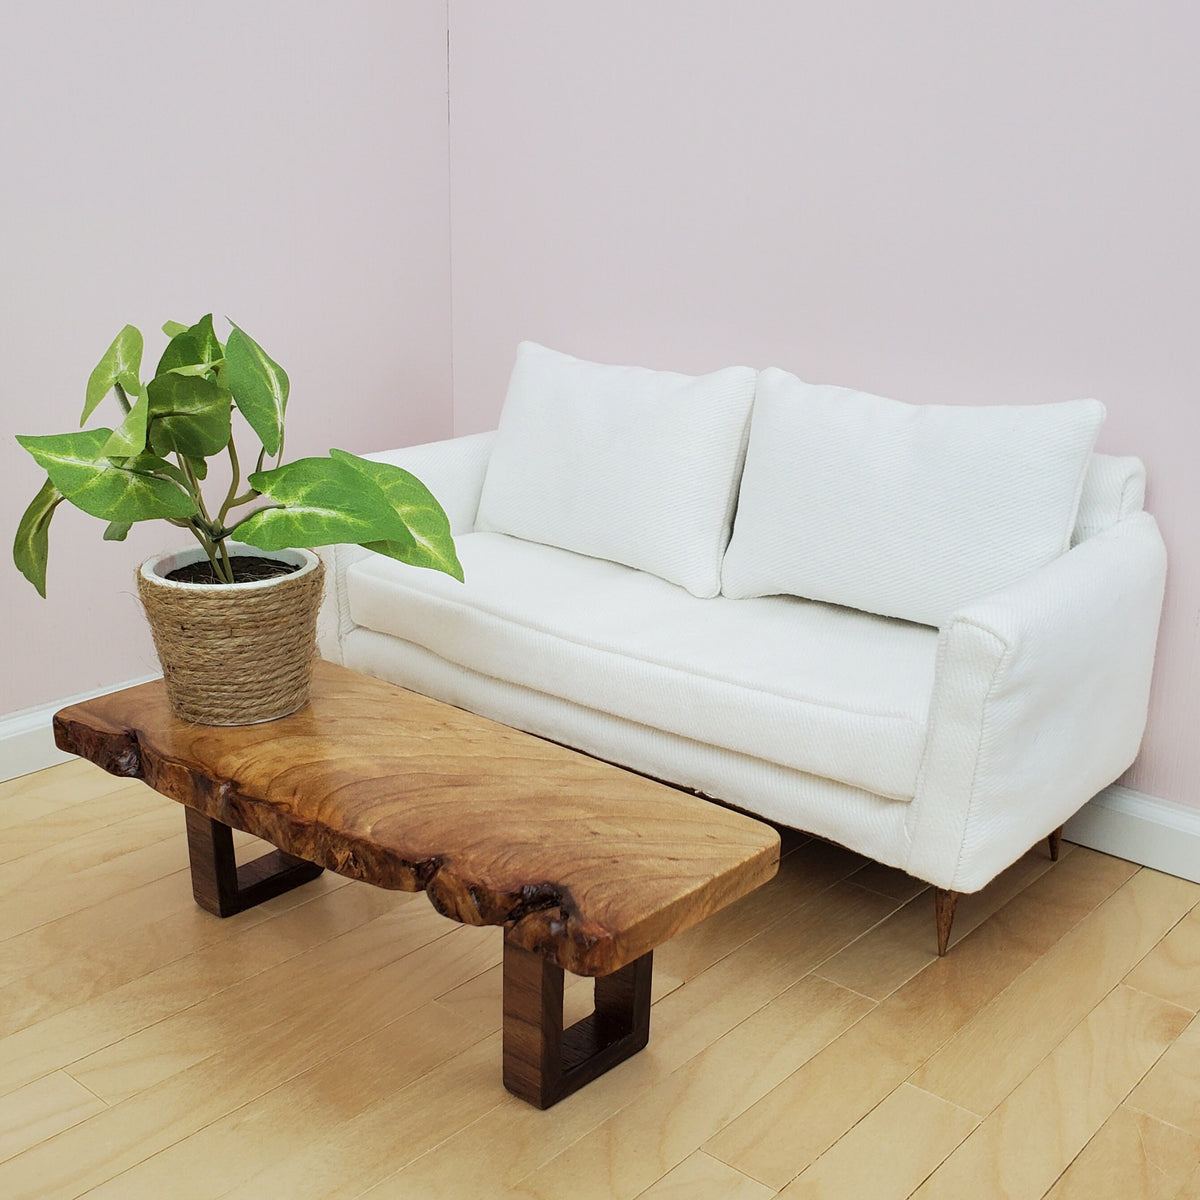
x: 971, y: 203
x: 284, y: 164
x: 949, y: 203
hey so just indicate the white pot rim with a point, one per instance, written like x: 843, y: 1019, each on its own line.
x: 156, y: 568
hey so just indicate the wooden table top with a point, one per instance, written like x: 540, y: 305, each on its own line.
x: 590, y: 865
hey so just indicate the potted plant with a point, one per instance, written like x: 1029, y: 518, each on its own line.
x: 234, y: 618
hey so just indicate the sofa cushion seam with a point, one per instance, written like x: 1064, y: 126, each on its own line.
x: 878, y: 714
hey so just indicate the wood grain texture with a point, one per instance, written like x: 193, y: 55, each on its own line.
x: 42, y: 1109
x: 920, y: 1131
x: 1171, y: 1089
x: 945, y: 902
x: 543, y: 1062
x: 625, y: 1154
x: 985, y: 1060
x: 1133, y: 1157
x: 792, y: 1126
x: 700, y: 1177
x: 584, y: 863
x: 341, y: 1043
x: 1019, y: 1147
x: 223, y: 888
x: 1172, y: 969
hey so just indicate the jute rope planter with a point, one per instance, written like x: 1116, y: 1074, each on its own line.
x: 234, y: 653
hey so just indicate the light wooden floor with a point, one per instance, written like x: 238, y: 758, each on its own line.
x: 342, y: 1041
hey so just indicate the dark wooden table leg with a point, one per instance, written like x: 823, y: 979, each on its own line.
x: 223, y: 888
x: 542, y: 1061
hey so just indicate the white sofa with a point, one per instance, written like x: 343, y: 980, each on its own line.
x: 960, y: 660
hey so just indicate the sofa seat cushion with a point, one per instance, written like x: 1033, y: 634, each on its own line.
x: 837, y: 693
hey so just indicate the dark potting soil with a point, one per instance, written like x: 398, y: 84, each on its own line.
x: 247, y: 568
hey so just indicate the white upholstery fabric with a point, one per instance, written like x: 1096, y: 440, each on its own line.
x: 622, y: 463
x: 1113, y: 488
x: 453, y: 471
x: 812, y: 687
x: 1038, y: 691
x: 910, y: 511
x: 874, y: 826
x: 1040, y: 700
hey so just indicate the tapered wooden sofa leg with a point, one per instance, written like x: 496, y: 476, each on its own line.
x: 1056, y: 844
x: 945, y: 903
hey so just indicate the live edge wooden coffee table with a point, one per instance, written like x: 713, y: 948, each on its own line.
x: 586, y: 866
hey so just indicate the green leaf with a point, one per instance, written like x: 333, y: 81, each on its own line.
x: 32, y: 542
x: 323, y: 502
x: 432, y: 544
x: 78, y: 467
x: 171, y: 328
x: 188, y: 415
x: 151, y: 464
x: 129, y: 437
x: 117, y: 531
x: 120, y: 364
x: 259, y: 386
x: 194, y: 347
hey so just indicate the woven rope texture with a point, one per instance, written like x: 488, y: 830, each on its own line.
x: 234, y: 656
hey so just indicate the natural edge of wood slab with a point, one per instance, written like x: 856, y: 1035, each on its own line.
x: 581, y: 862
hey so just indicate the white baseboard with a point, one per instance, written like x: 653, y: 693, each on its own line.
x: 27, y: 736
x: 1143, y: 829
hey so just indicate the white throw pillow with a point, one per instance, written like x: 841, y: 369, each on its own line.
x: 635, y: 466
x: 898, y: 509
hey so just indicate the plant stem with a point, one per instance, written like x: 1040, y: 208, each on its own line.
x: 122, y: 399
x: 234, y: 480
x: 234, y: 528
x: 203, y: 526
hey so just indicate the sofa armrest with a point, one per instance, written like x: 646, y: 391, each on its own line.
x: 453, y: 470
x: 1039, y: 701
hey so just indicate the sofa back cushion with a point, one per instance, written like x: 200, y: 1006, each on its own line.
x: 902, y: 510
x: 635, y: 466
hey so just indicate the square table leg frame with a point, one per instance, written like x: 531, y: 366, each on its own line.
x: 542, y: 1061
x: 223, y: 888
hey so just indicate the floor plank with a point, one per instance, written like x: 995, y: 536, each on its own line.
x: 1172, y: 969
x: 341, y: 1042
x: 1035, y: 1133
x: 792, y: 1126
x: 667, y: 1122
x: 1171, y: 1089
x: 41, y: 1109
x: 1133, y: 1157
x: 682, y: 1026
x: 919, y: 1130
x: 246, y: 950
x: 1001, y: 1045
x: 895, y: 950
x: 700, y: 1177
x: 243, y: 1063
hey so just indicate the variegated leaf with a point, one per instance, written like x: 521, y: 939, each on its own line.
x: 121, y: 363
x: 31, y: 546
x: 259, y: 386
x: 432, y: 544
x: 321, y: 502
x: 79, y: 468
